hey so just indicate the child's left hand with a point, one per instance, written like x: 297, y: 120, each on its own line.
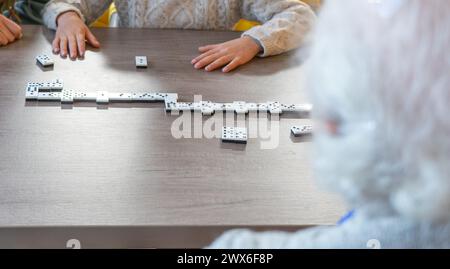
x: 232, y: 54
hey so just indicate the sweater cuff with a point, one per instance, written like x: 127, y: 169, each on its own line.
x: 264, y: 40
x: 53, y: 10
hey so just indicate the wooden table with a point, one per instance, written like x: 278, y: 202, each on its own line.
x: 115, y: 176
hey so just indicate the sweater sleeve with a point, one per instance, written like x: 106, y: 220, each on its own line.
x: 88, y: 10
x: 246, y: 239
x: 286, y: 23
x: 364, y: 230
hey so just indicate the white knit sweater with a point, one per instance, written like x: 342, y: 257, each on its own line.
x: 369, y: 228
x: 285, y: 22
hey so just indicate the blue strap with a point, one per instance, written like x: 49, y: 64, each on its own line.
x: 346, y: 217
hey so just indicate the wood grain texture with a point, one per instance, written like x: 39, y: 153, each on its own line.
x: 120, y: 166
x: 121, y: 237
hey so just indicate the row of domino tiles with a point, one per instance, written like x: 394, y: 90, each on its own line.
x: 54, y: 91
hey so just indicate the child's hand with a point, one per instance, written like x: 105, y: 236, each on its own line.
x: 71, y: 36
x: 232, y: 54
x: 9, y: 31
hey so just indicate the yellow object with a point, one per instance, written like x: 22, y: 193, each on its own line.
x: 315, y: 4
x: 103, y: 21
x: 244, y: 25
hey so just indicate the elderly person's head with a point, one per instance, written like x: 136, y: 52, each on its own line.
x: 380, y: 82
x: 379, y: 78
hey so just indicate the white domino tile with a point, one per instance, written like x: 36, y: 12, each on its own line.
x: 274, y: 108
x: 234, y: 134
x: 49, y: 96
x: 67, y: 97
x: 45, y: 60
x: 102, y: 98
x: 120, y: 97
x: 31, y: 93
x: 303, y: 107
x: 297, y: 108
x: 141, y: 62
x: 51, y: 86
x: 301, y: 130
x: 263, y: 107
x: 252, y: 107
x: 184, y: 107
x: 171, y: 105
x: 54, y: 91
x: 240, y: 107
x: 146, y: 97
x: 85, y: 96
x: 206, y: 108
x: 161, y: 96
x: 47, y: 86
x: 170, y: 101
x: 228, y: 107
x: 218, y: 107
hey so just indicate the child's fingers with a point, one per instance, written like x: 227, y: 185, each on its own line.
x: 218, y: 63
x: 7, y: 34
x: 55, y: 45
x: 201, y: 56
x: 81, y: 44
x: 206, y: 48
x: 232, y: 65
x: 15, y: 29
x: 73, y: 47
x: 207, y: 60
x: 3, y: 40
x: 91, y: 39
x: 63, y: 46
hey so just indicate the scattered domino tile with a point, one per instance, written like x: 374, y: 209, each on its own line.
x: 141, y: 61
x: 301, y: 130
x: 234, y: 135
x: 45, y: 60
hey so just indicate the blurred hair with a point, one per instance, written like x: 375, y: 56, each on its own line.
x: 381, y: 70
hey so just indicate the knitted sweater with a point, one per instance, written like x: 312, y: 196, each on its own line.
x: 364, y: 230
x: 285, y: 22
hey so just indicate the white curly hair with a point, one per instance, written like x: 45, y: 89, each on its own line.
x: 379, y: 78
x: 381, y: 73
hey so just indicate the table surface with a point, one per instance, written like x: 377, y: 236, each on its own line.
x: 120, y: 166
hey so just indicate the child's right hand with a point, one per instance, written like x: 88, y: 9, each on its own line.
x: 72, y: 35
